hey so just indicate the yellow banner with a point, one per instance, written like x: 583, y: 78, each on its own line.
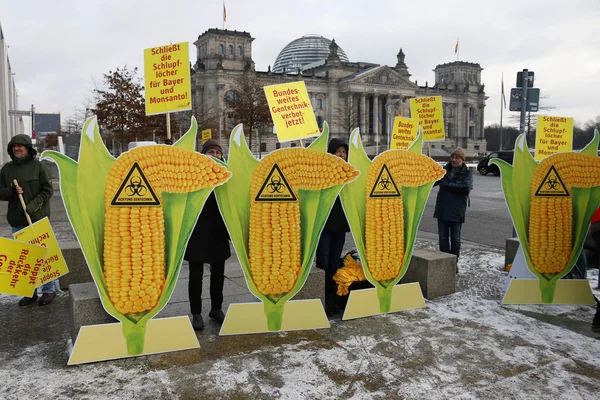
x: 41, y: 234
x: 291, y: 111
x: 554, y: 135
x: 404, y: 133
x: 206, y: 135
x: 167, y: 78
x: 20, y: 267
x: 429, y: 112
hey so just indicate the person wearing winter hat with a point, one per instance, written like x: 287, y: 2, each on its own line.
x: 451, y: 203
x: 35, y: 185
x: 208, y: 244
x: 333, y: 236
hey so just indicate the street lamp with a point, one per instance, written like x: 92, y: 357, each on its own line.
x: 389, y: 127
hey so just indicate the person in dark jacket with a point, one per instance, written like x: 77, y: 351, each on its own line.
x: 451, y: 203
x: 35, y: 185
x: 209, y: 244
x: 333, y: 236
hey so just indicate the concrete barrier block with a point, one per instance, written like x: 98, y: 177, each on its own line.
x: 512, y: 245
x: 78, y: 268
x: 85, y: 307
x: 314, y: 287
x: 434, y: 271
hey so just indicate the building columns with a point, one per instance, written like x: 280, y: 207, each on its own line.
x: 363, y: 115
x: 375, y: 115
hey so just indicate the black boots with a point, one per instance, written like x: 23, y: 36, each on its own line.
x: 217, y: 315
x: 332, y: 306
x: 47, y: 298
x: 25, y: 301
x: 197, y: 322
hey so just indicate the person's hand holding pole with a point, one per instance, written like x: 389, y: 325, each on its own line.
x: 20, y: 193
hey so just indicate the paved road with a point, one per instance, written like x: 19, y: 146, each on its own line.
x: 487, y: 222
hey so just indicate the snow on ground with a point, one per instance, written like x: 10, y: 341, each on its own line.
x: 466, y: 346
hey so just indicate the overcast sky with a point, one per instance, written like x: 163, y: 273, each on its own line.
x: 60, y: 49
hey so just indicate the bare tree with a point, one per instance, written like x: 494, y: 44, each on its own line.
x: 249, y: 104
x: 120, y: 108
x: 346, y: 114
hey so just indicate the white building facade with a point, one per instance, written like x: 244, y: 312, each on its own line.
x: 344, y: 93
x: 9, y: 125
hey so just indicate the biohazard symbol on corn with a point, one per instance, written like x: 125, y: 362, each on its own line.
x: 135, y: 252
x: 275, y: 187
x: 384, y: 206
x: 135, y: 190
x: 551, y: 204
x: 384, y: 185
x: 552, y: 185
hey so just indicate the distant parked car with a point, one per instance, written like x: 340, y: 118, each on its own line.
x: 484, y: 167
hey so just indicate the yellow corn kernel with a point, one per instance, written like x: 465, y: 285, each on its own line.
x: 134, y: 237
x: 274, y: 239
x: 384, y: 225
x: 551, y: 217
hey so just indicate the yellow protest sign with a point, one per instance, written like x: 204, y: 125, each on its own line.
x: 554, y: 135
x: 20, y: 267
x: 291, y: 111
x: 404, y: 132
x: 41, y: 234
x: 167, y: 78
x: 429, y: 112
x: 206, y: 135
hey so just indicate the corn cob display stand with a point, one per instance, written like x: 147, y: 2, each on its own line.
x: 551, y: 205
x: 133, y: 217
x: 384, y: 206
x: 275, y: 211
x: 523, y: 287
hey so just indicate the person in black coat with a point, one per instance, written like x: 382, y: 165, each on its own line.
x: 209, y: 244
x: 333, y: 236
x: 451, y: 203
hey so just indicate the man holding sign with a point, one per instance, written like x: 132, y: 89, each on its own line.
x: 26, y: 185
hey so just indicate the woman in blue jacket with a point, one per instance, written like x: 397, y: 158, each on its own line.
x: 451, y: 203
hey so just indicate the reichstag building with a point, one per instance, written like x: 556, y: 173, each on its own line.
x: 345, y: 93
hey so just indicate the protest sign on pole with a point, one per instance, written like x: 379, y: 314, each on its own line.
x: 167, y: 79
x: 291, y: 111
x: 429, y: 112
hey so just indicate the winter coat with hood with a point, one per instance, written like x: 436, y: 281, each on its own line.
x: 35, y: 180
x: 336, y: 222
x: 209, y: 242
x: 451, y: 203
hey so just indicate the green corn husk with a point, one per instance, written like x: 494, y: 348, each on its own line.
x: 516, y: 182
x: 234, y: 203
x: 82, y: 188
x: 353, y: 198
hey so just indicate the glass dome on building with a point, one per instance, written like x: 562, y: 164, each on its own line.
x: 303, y: 51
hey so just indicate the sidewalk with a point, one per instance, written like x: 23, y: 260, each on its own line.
x: 466, y: 345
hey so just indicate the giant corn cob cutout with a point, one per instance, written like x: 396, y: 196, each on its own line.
x: 275, y: 210
x: 384, y: 206
x: 551, y: 205
x: 135, y: 252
